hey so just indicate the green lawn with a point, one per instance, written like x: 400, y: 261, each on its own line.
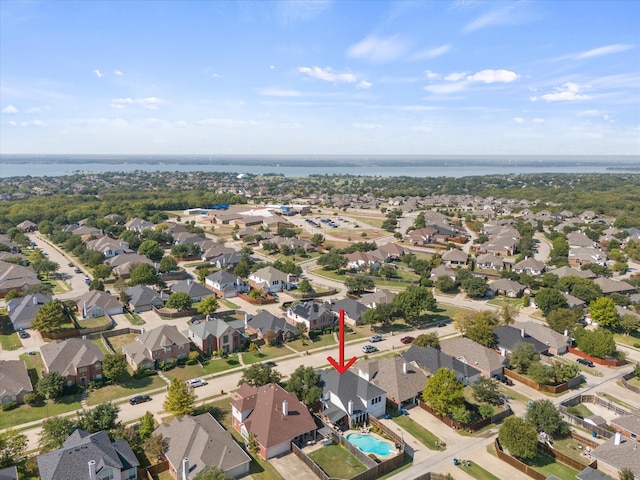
x: 266, y: 352
x: 479, y: 473
x: 321, y: 341
x: 135, y: 319
x: 101, y: 345
x: 119, y: 341
x: 337, y: 462
x: 580, y: 410
x: 27, y: 413
x: 214, y: 365
x: 630, y: 341
x: 546, y: 465
x: 569, y: 447
x: 423, y: 435
x: 129, y: 386
x: 9, y: 340
x: 228, y: 303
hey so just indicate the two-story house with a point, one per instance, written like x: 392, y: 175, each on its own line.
x: 270, y: 280
x: 156, y: 347
x: 315, y: 316
x: 225, y: 284
x: 96, y: 303
x: 14, y: 381
x: 214, y: 335
x: 79, y: 361
x: 265, y: 321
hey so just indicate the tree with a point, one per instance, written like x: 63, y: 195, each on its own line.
x: 544, y: 415
x: 12, y: 447
x: 306, y: 384
x: 427, y: 340
x: 563, y: 319
x: 519, y: 437
x: 603, y: 310
x: 179, y: 301
x: 154, y: 447
x: 101, y: 272
x: 50, y: 317
x: 598, y: 343
x: 508, y: 314
x: 540, y: 373
x: 167, y: 264
x: 55, y: 431
x: 51, y: 385
x: 211, y: 473
x: 317, y: 239
x: 522, y: 356
x: 359, y: 283
x: 476, y: 287
x: 143, y: 274
x: 413, y: 301
x: 152, y: 250
x: 301, y: 329
x: 45, y: 266
x: 549, y: 299
x: 180, y: 398
x: 270, y: 337
x: 208, y: 305
x: 304, y: 287
x: 242, y: 269
x: 383, y: 314
x: 146, y: 426
x: 257, y: 375
x: 629, y: 323
x: 481, y: 330
x: 114, y: 366
x: 445, y: 284
x: 332, y: 261
x: 486, y: 390
x: 443, y: 391
x: 102, y: 417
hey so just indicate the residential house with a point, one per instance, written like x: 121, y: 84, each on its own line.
x: 215, y: 251
x: 78, y: 360
x: 22, y: 310
x: 585, y: 256
x: 315, y: 316
x: 616, y: 454
x: 195, y: 290
x: 138, y: 225
x: 362, y: 261
x: 90, y: 456
x: 274, y: 416
x: 628, y: 425
x: 122, y: 265
x: 109, y: 247
x: 14, y: 381
x: 96, y: 303
x: 489, y: 261
x: 143, y: 298
x: 349, y: 399
x: 378, y: 297
x: 270, y: 280
x: 226, y: 260
x: 557, y: 342
x: 573, y: 302
x: 156, y: 346
x: 391, y: 251
x: 402, y: 382
x: 610, y: 286
x: 455, y: 258
x: 27, y: 226
x: 186, y: 238
x: 265, y: 321
x: 578, y: 239
x: 443, y: 271
x: 568, y: 271
x: 432, y: 360
x: 488, y: 361
x: 225, y: 284
x: 15, y: 258
x: 508, y: 337
x: 194, y: 443
x: 16, y: 277
x: 353, y: 310
x: 529, y: 266
x: 9, y: 473
x: 509, y: 288
x: 12, y: 246
x: 86, y: 232
x: 504, y: 246
x: 214, y: 335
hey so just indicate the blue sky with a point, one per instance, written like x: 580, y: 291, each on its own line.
x: 320, y: 77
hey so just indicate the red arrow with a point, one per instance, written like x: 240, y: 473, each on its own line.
x: 341, y: 367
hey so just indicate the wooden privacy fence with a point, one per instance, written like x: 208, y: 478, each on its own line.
x: 600, y: 361
x: 515, y: 463
x: 467, y: 426
x: 627, y: 385
x: 563, y: 387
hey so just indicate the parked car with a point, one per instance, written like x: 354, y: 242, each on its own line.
x: 269, y: 364
x: 441, y: 324
x: 375, y: 338
x: 77, y: 270
x: 196, y: 382
x: 585, y: 362
x: 369, y: 348
x: 504, y: 379
x: 70, y: 264
x: 23, y: 334
x: 139, y: 399
x: 407, y: 339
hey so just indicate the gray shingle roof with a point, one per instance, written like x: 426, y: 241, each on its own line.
x: 508, y: 337
x: 141, y: 295
x: 23, y: 309
x: 194, y: 289
x: 349, y: 387
x: 388, y: 374
x: 265, y: 321
x: 433, y: 359
x: 66, y: 356
x: 468, y: 351
x: 353, y: 309
x: 625, y: 455
x: 215, y: 327
x: 14, y: 378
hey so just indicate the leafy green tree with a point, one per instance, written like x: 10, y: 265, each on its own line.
x: 317, y: 239
x: 413, y: 301
x: 51, y: 385
x: 152, y: 250
x: 242, y: 269
x: 12, y: 447
x: 522, y: 356
x: 211, y: 473
x: 102, y: 417
x: 359, y: 283
x: 101, y: 272
x: 508, y: 314
x: 629, y: 323
x: 427, y: 340
x: 540, y: 373
x: 549, y: 299
x: 167, y: 264
x: 332, y: 261
x: 143, y: 274
x: 443, y: 392
x: 475, y: 287
x: 146, y: 426
x: 257, y: 375
x: 45, y: 266
x: 544, y: 415
x: 180, y: 398
x: 155, y: 447
x: 50, y: 317
x: 252, y: 443
x: 55, y: 431
x: 304, y: 287
x: 114, y: 366
x: 461, y: 414
x: 481, y: 330
x: 603, y: 310
x: 179, y: 301
x: 306, y: 384
x: 626, y: 474
x: 486, y: 390
x: 563, y: 319
x: 383, y: 314
x: 208, y: 305
x: 445, y: 283
x: 598, y: 343
x: 519, y: 437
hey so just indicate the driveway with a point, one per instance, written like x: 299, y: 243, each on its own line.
x: 290, y: 466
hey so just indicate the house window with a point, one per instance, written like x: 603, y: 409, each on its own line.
x: 167, y: 350
x: 82, y: 370
x: 98, y: 366
x: 105, y: 474
x: 225, y: 339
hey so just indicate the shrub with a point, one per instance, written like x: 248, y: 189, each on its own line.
x: 33, y: 399
x: 95, y: 384
x: 8, y: 406
x: 373, y: 457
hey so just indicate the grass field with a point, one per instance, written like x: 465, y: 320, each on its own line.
x: 479, y: 473
x: 318, y: 342
x: 214, y: 365
x: 127, y: 387
x: 421, y: 434
x: 27, y: 413
x: 337, y: 462
x: 548, y: 466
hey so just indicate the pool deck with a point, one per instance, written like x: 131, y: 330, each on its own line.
x: 316, y: 446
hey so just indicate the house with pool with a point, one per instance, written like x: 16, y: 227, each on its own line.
x: 349, y: 399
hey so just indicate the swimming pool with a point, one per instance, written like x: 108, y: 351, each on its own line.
x: 370, y: 444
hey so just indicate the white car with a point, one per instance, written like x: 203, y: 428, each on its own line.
x: 375, y: 338
x: 369, y: 348
x: 196, y: 382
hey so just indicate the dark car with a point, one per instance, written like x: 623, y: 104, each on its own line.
x: 23, y: 334
x: 585, y: 362
x: 441, y: 324
x: 139, y: 399
x: 70, y: 264
x: 269, y: 364
x: 407, y: 339
x: 504, y: 379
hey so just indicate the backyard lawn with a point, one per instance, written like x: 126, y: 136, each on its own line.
x: 337, y: 462
x: 546, y: 465
x: 9, y: 340
x: 423, y: 435
x: 118, y: 341
x: 129, y: 386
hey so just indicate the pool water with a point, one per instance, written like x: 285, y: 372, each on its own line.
x: 370, y: 444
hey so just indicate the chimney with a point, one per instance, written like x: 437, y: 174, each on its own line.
x: 617, y: 438
x: 350, y: 407
x: 92, y: 469
x: 285, y: 408
x: 35, y: 300
x: 404, y: 367
x: 566, y: 332
x: 189, y: 282
x: 185, y: 468
x: 522, y: 333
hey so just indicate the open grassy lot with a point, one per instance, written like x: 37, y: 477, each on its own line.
x: 337, y: 462
x: 267, y: 352
x: 127, y: 387
x: 571, y: 448
x: 27, y: 413
x: 206, y: 367
x: 9, y: 340
x: 423, y: 435
x: 318, y: 342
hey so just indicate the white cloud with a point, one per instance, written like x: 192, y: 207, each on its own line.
x: 33, y: 110
x: 606, y: 50
x: 327, y: 74
x: 431, y: 53
x: 514, y: 13
x: 9, y: 110
x: 445, y: 88
x: 13, y: 124
x: 431, y: 75
x: 589, y: 113
x: 367, y: 126
x: 493, y: 76
x: 154, y: 122
x: 518, y: 119
x: 538, y: 120
x: 148, y: 103
x: 100, y: 122
x: 422, y: 128
x: 378, y: 49
x: 568, y: 92
x: 455, y: 76
x: 117, y: 73
x: 291, y: 11
x: 33, y: 123
x: 98, y: 74
x: 275, y: 92
x: 365, y: 84
x: 272, y: 67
